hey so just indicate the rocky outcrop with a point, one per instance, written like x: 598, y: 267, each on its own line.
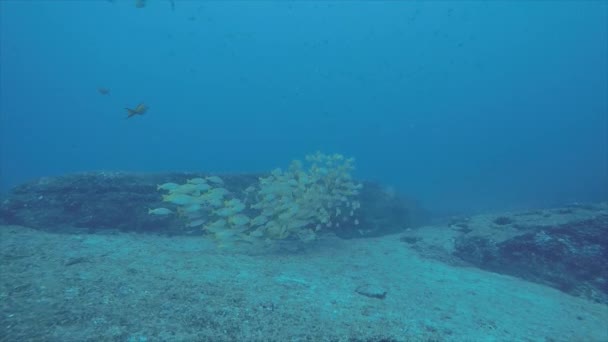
x: 566, y: 248
x: 572, y: 257
x: 116, y: 201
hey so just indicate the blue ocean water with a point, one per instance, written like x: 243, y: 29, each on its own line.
x: 463, y: 106
x: 470, y: 109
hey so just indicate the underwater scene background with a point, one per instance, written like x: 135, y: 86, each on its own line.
x: 303, y: 170
x: 463, y: 106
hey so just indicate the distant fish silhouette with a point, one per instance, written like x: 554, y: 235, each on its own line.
x: 172, y: 4
x: 103, y: 90
x: 139, y: 110
x: 140, y: 3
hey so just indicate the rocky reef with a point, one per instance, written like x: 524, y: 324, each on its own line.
x: 565, y: 248
x: 117, y: 201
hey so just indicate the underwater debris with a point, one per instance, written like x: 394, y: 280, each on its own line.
x: 372, y: 291
x: 139, y: 110
x: 103, y: 90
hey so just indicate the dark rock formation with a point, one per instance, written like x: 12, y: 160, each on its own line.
x: 572, y: 257
x: 106, y: 201
x: 565, y: 248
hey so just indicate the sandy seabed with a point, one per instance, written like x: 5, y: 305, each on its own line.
x: 135, y: 287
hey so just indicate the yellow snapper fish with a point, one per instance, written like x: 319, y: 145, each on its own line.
x: 202, y: 187
x: 159, y: 211
x: 195, y: 223
x: 197, y: 180
x: 192, y: 208
x: 225, y: 212
x: 239, y: 220
x: 180, y: 199
x: 186, y: 189
x: 214, y: 179
x: 167, y: 186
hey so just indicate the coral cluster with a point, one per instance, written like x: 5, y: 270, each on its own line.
x: 295, y: 203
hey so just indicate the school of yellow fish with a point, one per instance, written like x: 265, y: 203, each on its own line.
x: 295, y: 203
